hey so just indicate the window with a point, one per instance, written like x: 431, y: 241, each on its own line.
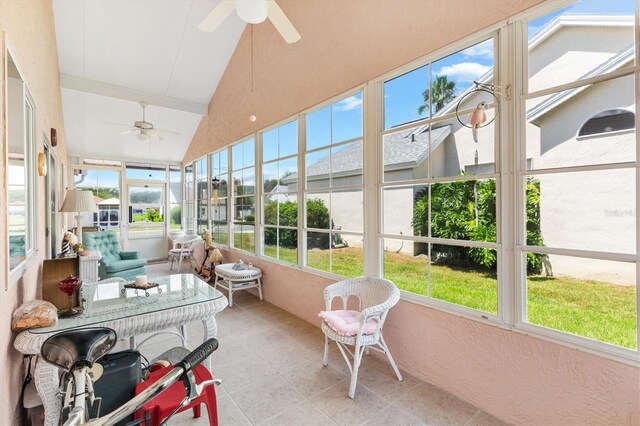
x: 105, y: 186
x: 189, y: 190
x: 146, y: 210
x: 577, y: 234
x: 220, y: 196
x: 202, y: 195
x: 175, y: 198
x: 138, y: 171
x: 440, y: 227
x: 334, y: 188
x: 279, y: 192
x: 244, y: 207
x: 613, y: 120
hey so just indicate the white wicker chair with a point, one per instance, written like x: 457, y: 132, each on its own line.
x: 376, y: 296
x: 182, y: 249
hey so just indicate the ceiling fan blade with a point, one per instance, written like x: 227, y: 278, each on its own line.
x: 125, y: 132
x: 217, y: 15
x: 282, y: 23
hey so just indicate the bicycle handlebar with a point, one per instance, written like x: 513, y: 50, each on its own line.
x: 198, y: 355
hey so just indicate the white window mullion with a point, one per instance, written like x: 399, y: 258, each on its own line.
x: 302, y: 178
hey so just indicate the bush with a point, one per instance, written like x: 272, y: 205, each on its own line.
x: 176, y: 215
x: 453, y: 216
x: 317, y: 217
x: 153, y: 215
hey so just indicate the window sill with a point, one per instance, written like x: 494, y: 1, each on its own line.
x: 16, y: 274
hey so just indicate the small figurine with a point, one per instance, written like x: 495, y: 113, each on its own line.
x: 477, y: 119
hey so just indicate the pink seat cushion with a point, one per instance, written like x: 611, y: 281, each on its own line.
x: 346, y: 323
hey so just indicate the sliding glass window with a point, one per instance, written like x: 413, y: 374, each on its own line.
x: 243, y: 172
x: 219, y: 202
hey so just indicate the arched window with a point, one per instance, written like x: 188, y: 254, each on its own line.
x: 611, y: 120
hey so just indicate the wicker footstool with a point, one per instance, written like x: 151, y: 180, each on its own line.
x: 232, y: 280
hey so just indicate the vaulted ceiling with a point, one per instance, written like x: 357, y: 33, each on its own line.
x: 116, y: 53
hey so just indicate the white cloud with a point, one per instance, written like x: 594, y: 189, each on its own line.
x: 482, y: 50
x: 352, y: 102
x: 464, y: 71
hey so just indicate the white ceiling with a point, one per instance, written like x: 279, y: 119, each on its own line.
x: 138, y: 50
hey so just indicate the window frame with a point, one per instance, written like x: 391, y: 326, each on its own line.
x: 231, y: 187
x: 228, y: 197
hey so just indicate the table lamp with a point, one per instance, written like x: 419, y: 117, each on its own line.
x: 77, y: 201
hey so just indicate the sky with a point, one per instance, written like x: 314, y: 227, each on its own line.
x: 403, y: 95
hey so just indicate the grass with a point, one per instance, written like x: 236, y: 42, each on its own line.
x: 593, y: 309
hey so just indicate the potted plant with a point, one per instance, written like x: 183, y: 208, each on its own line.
x: 79, y: 248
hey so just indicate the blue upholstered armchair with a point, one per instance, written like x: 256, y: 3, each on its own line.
x: 115, y: 262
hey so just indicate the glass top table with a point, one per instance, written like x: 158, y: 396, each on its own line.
x: 111, y: 300
x: 176, y: 301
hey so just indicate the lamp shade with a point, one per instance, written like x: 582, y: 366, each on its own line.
x: 78, y: 201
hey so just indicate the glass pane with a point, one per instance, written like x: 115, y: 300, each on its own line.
x: 318, y: 210
x: 593, y: 210
x: 319, y: 128
x: 244, y: 237
x: 454, y: 151
x: 175, y: 216
x: 146, y: 231
x: 288, y: 135
x: 270, y: 145
x: 287, y: 172
x: 405, y: 154
x: 401, y: 205
x: 142, y: 195
x: 318, y: 253
x: 220, y: 222
x: 17, y: 212
x: 244, y: 209
x: 270, y: 247
x: 347, y: 210
x: 587, y: 297
x: 454, y: 74
x: 270, y: 215
x: 348, y: 261
x: 318, y: 169
x: 462, y: 210
x: 404, y: 97
x: 562, y: 50
x: 346, y: 119
x: 465, y: 276
x: 269, y: 176
x: 236, y: 154
x: 346, y: 164
x: 407, y: 271
x: 288, y: 245
x: 588, y: 125
x: 146, y: 172
x: 248, y: 153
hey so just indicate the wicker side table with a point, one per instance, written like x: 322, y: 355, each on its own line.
x: 232, y: 280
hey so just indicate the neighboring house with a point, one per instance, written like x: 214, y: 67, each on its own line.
x: 587, y: 210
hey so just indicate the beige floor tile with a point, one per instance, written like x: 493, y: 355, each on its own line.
x: 485, y: 419
x: 283, y: 355
x: 302, y: 414
x: 228, y: 412
x: 393, y: 416
x: 435, y: 407
x: 265, y: 399
x: 378, y: 375
x: 297, y: 327
x: 239, y: 372
x: 311, y: 378
x: 264, y: 338
x: 337, y: 405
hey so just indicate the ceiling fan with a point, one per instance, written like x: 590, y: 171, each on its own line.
x: 144, y: 129
x: 252, y: 12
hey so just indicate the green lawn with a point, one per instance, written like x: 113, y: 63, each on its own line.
x: 593, y: 309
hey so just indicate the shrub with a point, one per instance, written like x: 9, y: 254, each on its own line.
x: 153, y: 215
x: 176, y: 215
x: 317, y: 217
x: 453, y: 216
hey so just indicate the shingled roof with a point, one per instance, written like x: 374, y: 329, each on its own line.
x: 402, y: 150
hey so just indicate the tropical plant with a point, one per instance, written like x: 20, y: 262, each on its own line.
x: 443, y: 91
x: 317, y: 217
x: 455, y: 214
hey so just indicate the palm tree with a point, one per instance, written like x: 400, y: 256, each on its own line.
x: 443, y: 90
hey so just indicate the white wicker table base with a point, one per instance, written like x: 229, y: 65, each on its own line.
x: 46, y: 375
x: 232, y: 280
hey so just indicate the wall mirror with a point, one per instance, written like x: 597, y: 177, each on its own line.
x: 19, y: 145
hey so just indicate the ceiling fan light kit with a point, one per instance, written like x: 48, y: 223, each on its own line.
x: 144, y: 129
x: 252, y: 12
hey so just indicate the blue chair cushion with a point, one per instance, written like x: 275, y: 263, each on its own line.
x: 123, y: 265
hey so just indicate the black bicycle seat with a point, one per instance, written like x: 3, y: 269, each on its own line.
x: 76, y: 348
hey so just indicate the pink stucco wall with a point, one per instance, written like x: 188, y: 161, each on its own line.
x: 30, y: 29
x: 518, y: 378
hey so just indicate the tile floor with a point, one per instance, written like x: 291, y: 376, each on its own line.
x: 270, y: 363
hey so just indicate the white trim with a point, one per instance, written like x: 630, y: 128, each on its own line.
x: 86, y: 85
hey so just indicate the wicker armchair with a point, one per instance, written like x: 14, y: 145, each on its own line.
x: 376, y: 296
